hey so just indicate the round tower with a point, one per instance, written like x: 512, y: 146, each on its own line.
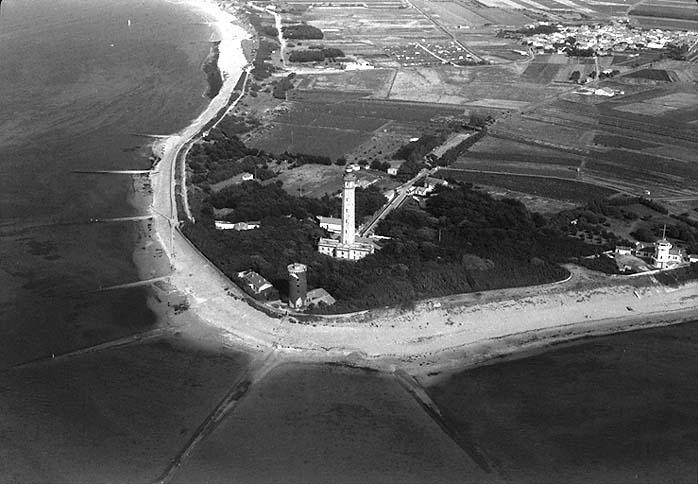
x: 297, y: 285
x: 348, y: 209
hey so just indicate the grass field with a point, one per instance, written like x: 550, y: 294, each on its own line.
x: 569, y: 190
x: 336, y: 128
x: 311, y: 140
x: 622, y: 142
x: 651, y: 75
x: 374, y: 82
x: 541, y: 72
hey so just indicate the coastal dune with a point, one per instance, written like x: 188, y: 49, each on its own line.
x: 440, y: 333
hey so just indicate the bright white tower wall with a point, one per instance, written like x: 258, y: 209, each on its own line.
x: 348, y: 207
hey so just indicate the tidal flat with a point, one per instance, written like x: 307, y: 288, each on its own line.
x: 614, y: 409
x: 307, y: 423
x: 117, y: 415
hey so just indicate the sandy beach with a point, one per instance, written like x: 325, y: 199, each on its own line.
x: 436, y: 335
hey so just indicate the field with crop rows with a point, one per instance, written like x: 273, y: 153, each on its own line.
x: 544, y: 187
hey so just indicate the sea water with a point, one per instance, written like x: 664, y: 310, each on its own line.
x: 81, y: 84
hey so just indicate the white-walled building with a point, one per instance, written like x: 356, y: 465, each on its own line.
x: 666, y: 255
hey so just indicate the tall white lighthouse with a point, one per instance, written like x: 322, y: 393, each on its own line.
x: 348, y: 207
x: 349, y: 246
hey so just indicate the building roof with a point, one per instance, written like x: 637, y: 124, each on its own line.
x: 318, y: 295
x: 329, y: 220
x: 256, y: 282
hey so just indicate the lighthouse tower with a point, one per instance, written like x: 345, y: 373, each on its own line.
x: 348, y: 207
x: 349, y: 246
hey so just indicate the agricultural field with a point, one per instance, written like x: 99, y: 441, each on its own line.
x: 313, y: 140
x: 497, y: 87
x: 666, y: 9
x: 316, y: 181
x: 334, y: 128
x: 652, y: 75
x: 557, y: 189
x: 371, y: 83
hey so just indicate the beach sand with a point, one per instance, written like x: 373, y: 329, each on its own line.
x: 441, y: 334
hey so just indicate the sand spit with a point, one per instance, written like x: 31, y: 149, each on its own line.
x: 437, y: 334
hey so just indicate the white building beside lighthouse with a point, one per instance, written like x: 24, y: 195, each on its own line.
x: 665, y: 254
x: 348, y: 246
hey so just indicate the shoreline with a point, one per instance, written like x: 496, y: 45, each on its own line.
x: 463, y: 331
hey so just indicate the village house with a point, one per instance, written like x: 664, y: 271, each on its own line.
x: 331, y: 224
x: 225, y: 225
x: 258, y: 286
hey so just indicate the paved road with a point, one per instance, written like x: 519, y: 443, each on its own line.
x: 403, y: 192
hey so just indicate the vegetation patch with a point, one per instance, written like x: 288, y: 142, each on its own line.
x: 315, y: 55
x: 622, y: 142
x: 540, y: 186
x: 302, y: 32
x: 651, y: 75
x: 463, y: 241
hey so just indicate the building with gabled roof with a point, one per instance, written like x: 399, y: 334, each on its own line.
x: 257, y: 285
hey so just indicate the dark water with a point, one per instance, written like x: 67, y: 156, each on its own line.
x: 618, y: 409
x: 77, y: 85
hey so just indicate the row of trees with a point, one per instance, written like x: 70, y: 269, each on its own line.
x: 253, y: 201
x: 301, y: 32
x: 315, y: 55
x: 285, y: 84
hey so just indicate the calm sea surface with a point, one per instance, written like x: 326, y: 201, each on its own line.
x: 79, y: 88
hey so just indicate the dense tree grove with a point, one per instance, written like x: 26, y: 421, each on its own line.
x: 253, y: 201
x: 302, y: 31
x: 315, y: 55
x: 285, y: 84
x: 452, y: 154
x: 221, y: 157
x: 464, y: 241
x: 415, y: 151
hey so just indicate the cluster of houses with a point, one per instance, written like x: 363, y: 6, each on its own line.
x: 604, y: 40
